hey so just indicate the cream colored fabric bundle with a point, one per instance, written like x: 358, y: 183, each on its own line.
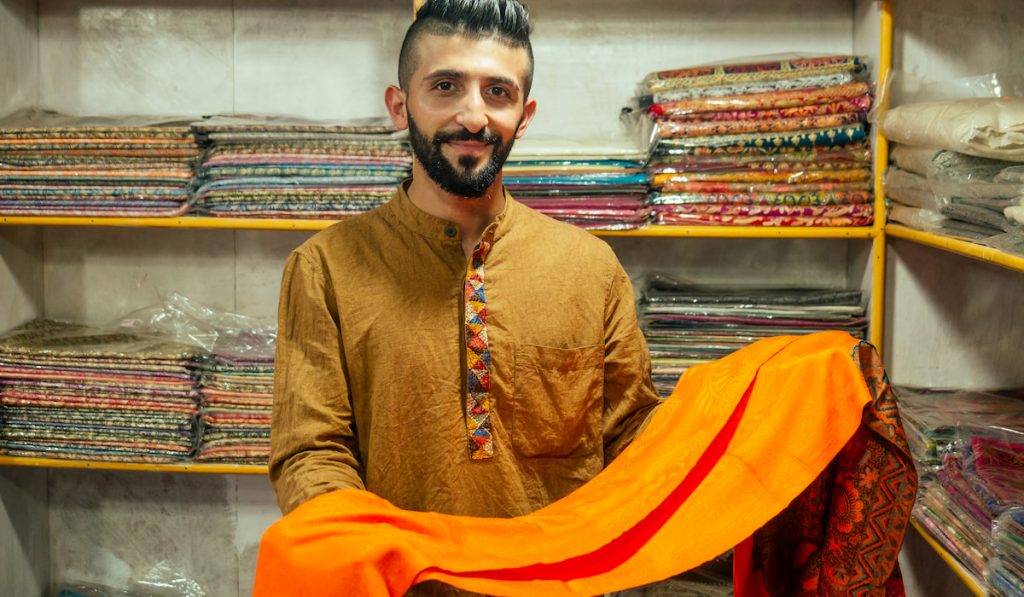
x: 984, y: 127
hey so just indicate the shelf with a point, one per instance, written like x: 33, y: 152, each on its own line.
x: 296, y: 224
x: 954, y: 245
x: 184, y: 467
x: 745, y: 232
x: 188, y: 222
x: 969, y: 579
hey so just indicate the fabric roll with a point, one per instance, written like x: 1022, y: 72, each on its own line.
x: 983, y: 127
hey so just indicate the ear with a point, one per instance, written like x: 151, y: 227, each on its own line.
x: 394, y: 101
x: 529, y: 110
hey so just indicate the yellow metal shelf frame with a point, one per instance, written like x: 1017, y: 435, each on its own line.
x: 285, y: 224
x: 182, y: 467
x: 972, y: 583
x: 955, y: 245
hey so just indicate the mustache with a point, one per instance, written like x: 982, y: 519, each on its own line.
x: 481, y: 136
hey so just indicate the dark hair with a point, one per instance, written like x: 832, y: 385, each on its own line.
x: 506, y: 20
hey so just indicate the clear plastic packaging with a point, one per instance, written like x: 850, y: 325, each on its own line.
x: 913, y: 159
x: 981, y: 116
x: 944, y: 419
x: 928, y: 220
x: 911, y: 189
x: 995, y: 184
x: 165, y: 579
x: 188, y: 322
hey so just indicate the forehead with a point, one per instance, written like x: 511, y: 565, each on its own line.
x: 475, y: 57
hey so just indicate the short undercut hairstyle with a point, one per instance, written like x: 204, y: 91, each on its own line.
x: 507, y: 21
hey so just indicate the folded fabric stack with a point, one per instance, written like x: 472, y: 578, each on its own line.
x: 959, y: 169
x: 592, y: 186
x: 1006, y: 569
x: 969, y: 450
x: 281, y: 167
x: 74, y: 392
x: 686, y: 325
x: 56, y: 165
x: 779, y: 143
x: 234, y: 415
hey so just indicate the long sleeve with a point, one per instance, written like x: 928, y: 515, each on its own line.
x: 629, y: 394
x: 313, y: 443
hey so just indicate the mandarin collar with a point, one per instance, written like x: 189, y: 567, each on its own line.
x: 445, y: 231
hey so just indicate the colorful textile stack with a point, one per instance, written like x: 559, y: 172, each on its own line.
x: 968, y: 447
x: 74, y: 392
x: 55, y: 165
x: 1006, y: 569
x: 237, y: 393
x: 592, y: 186
x: 686, y: 325
x: 779, y: 143
x: 279, y: 167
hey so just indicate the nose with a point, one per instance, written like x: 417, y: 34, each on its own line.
x: 472, y: 111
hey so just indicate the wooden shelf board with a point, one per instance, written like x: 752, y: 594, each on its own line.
x: 955, y: 245
x: 183, y: 467
x: 973, y: 584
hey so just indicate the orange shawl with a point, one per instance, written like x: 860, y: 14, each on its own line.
x: 737, y: 442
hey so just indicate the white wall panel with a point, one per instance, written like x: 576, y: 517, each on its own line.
x: 317, y: 58
x: 95, y: 275
x: 24, y: 532
x: 952, y: 321
x: 943, y: 40
x: 19, y: 49
x: 126, y: 57
x: 21, y: 275
x: 260, y: 259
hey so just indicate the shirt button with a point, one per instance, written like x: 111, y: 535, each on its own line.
x: 449, y: 231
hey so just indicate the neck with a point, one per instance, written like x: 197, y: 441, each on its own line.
x: 471, y: 214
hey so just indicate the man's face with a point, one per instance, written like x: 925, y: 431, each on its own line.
x: 464, y: 108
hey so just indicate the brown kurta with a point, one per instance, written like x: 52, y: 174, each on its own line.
x: 370, y: 375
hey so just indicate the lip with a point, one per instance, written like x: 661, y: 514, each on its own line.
x: 468, y: 146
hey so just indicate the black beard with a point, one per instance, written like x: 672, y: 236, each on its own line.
x: 462, y: 182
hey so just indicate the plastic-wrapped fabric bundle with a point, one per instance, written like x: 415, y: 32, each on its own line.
x: 686, y: 325
x: 237, y: 392
x: 939, y: 421
x: 279, y: 167
x: 54, y: 165
x: 235, y: 374
x: 982, y: 127
x: 590, y: 185
x: 912, y: 159
x: 1006, y: 569
x: 969, y: 448
x: 975, y: 198
x: 74, y: 392
x: 795, y: 121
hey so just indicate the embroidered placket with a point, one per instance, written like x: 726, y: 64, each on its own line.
x: 478, y: 358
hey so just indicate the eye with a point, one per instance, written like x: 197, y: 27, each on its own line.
x: 497, y: 91
x: 444, y: 86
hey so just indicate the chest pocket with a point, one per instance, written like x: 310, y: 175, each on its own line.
x: 557, y: 400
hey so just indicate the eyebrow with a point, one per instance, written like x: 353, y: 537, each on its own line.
x: 458, y: 74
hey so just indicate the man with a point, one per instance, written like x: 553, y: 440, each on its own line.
x: 453, y: 350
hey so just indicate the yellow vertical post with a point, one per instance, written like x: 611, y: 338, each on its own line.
x: 878, y: 245
x: 416, y: 4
